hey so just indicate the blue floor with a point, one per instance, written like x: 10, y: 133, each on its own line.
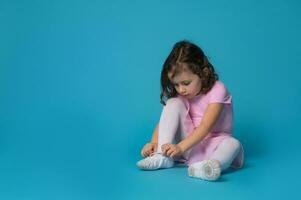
x: 83, y: 178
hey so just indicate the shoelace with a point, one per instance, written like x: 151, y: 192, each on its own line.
x: 154, y: 153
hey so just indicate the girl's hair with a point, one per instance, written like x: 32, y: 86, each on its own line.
x: 186, y: 55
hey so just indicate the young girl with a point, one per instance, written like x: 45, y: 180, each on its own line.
x: 196, y: 122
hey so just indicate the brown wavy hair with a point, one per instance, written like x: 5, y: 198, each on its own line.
x: 186, y: 56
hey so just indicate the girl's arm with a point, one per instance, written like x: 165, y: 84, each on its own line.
x: 210, y: 117
x: 155, y: 135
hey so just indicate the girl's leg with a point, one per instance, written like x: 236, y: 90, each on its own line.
x: 169, y: 127
x: 226, y: 152
x: 220, y: 160
x: 170, y: 122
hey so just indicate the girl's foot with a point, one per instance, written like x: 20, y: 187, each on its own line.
x: 209, y: 170
x: 155, y: 161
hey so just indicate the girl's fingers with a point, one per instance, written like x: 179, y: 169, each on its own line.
x: 169, y: 152
x: 164, y: 146
x: 173, y: 154
x: 165, y: 149
x: 145, y: 152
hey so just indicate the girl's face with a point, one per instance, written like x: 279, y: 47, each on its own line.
x: 186, y: 83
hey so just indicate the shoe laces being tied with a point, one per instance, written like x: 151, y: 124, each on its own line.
x: 155, y: 161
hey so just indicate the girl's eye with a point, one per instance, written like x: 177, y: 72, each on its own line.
x: 184, y: 83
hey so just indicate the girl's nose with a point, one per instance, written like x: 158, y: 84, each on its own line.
x: 182, y: 90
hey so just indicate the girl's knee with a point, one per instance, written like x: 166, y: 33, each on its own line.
x: 234, y: 143
x: 175, y: 102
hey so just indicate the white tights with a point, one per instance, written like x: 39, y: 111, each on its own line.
x: 171, y: 130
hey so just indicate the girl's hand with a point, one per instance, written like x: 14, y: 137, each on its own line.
x: 148, y: 149
x: 171, y: 150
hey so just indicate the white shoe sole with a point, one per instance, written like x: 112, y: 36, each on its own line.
x: 209, y: 170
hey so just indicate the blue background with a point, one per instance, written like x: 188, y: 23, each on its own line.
x: 79, y: 86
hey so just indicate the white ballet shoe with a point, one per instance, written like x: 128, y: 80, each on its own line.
x: 155, y: 161
x: 209, y: 170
